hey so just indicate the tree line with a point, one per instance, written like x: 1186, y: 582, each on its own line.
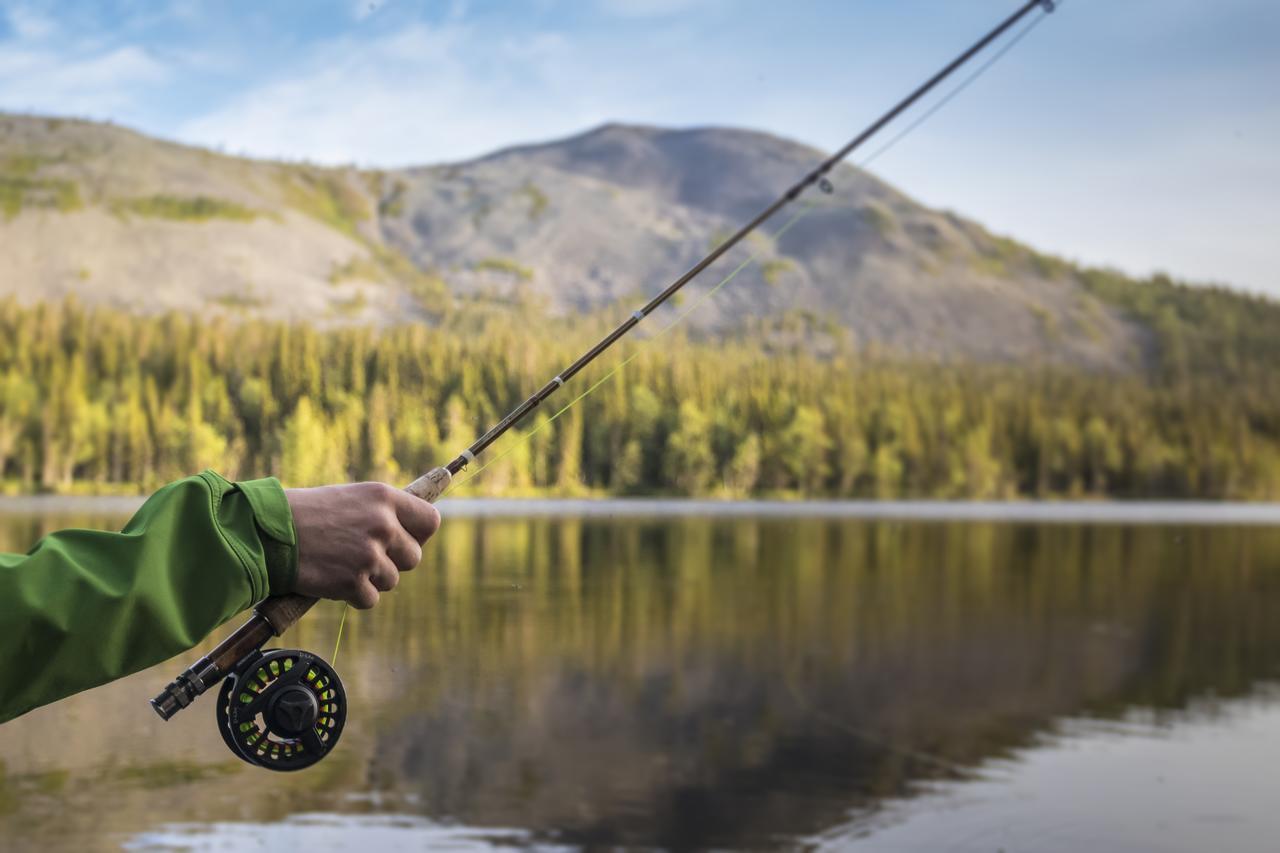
x: 100, y: 400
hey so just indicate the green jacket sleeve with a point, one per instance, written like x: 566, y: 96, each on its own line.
x: 83, y: 607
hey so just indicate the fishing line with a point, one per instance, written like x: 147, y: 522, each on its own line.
x: 917, y: 755
x: 337, y: 643
x: 289, y: 735
x: 525, y: 438
x: 805, y: 209
x: 946, y: 99
x: 639, y: 349
x: 818, y: 176
x: 808, y: 207
x: 867, y: 737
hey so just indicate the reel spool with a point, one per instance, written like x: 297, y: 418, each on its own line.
x: 282, y: 709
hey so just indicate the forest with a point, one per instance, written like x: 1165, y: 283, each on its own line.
x: 99, y: 400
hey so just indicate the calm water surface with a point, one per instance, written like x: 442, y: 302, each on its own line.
x: 695, y: 681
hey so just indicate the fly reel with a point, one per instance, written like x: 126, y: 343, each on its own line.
x: 282, y: 709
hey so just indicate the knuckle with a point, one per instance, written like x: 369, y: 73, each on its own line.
x: 426, y: 521
x: 365, y: 598
x: 375, y: 493
x: 412, y: 556
x: 383, y: 523
x: 431, y: 520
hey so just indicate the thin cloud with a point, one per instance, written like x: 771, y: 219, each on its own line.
x: 419, y: 95
x: 1142, y: 136
x: 45, y: 67
x: 98, y: 84
x: 654, y: 8
x: 28, y: 25
x: 362, y: 9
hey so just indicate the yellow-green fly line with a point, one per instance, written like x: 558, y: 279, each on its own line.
x: 806, y: 208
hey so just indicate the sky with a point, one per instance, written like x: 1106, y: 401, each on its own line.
x: 1140, y: 134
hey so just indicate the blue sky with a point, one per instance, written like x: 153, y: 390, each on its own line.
x: 1142, y: 134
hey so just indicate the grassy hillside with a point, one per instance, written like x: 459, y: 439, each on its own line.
x: 585, y: 224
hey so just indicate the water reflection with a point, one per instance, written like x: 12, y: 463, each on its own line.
x: 693, y: 682
x: 383, y: 833
x: 1205, y: 782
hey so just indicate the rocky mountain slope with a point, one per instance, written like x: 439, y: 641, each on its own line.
x: 591, y: 223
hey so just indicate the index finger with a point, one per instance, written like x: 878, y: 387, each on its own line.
x: 419, y: 518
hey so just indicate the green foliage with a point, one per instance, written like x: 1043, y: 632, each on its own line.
x: 23, y: 165
x: 1046, y: 320
x: 989, y: 264
x: 880, y: 218
x: 384, y: 264
x: 166, y: 775
x: 357, y: 268
x: 743, y: 470
x: 1205, y: 331
x: 426, y: 286
x: 689, y: 459
x: 311, y: 449
x: 393, y: 205
x: 808, y: 446
x: 242, y: 301
x: 773, y: 269
x: 353, y: 306
x: 1048, y: 266
x: 718, y: 237
x: 505, y: 266
x: 429, y: 289
x: 20, y: 191
x: 185, y: 209
x: 328, y: 196
x: 538, y: 200
x: 1001, y: 257
x: 99, y: 399
x: 1006, y: 249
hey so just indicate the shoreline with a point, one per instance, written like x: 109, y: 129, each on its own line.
x: 1061, y: 512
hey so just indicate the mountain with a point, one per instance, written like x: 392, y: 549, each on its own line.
x: 591, y: 223
x: 879, y: 348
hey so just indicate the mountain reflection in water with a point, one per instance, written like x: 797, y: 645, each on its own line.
x: 692, y: 682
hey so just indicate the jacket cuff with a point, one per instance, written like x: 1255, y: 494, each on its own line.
x: 275, y: 520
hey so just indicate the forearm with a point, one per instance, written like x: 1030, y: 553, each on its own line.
x: 85, y: 607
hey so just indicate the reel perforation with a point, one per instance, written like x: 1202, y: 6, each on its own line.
x: 282, y: 709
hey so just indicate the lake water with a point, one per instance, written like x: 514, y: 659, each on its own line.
x: 557, y: 676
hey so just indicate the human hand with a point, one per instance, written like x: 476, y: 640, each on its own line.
x: 354, y: 540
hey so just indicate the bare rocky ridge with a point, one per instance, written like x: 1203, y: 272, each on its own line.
x: 596, y: 221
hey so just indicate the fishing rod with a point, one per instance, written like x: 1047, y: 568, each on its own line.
x: 285, y: 709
